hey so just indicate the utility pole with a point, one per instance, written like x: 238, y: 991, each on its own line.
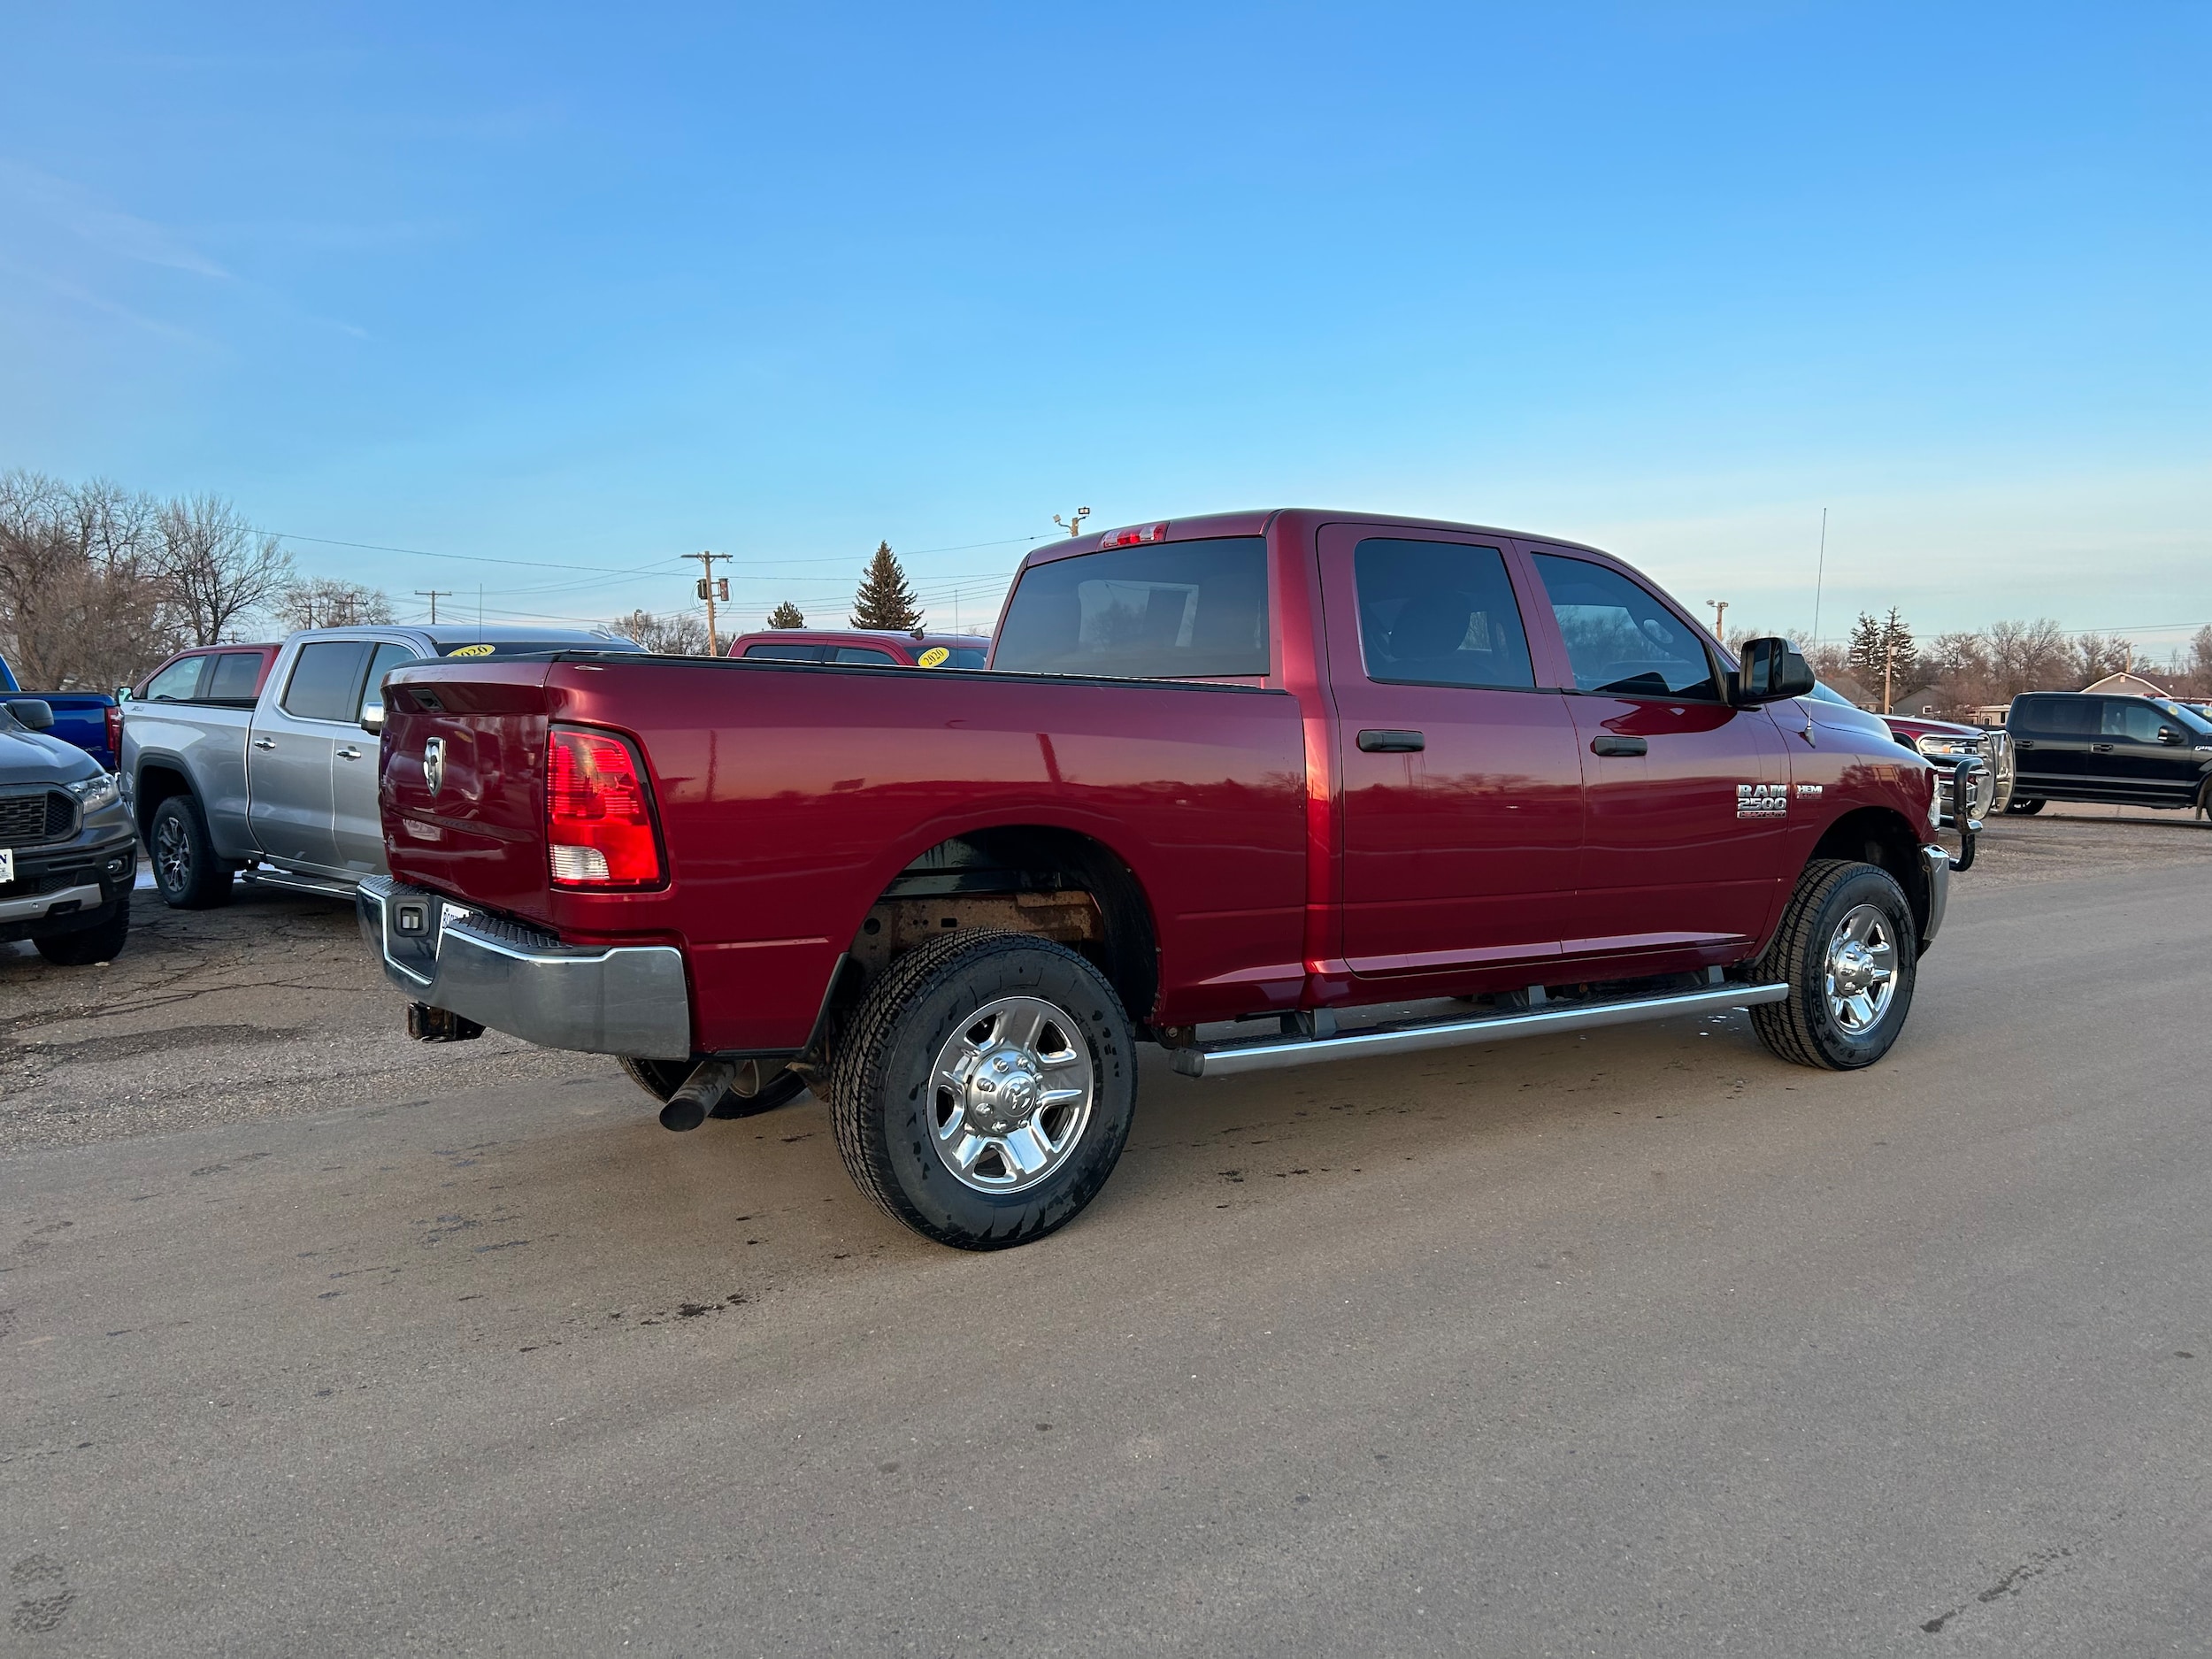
x: 711, y: 588
x: 1720, y: 611
x: 1889, y: 654
x: 1074, y: 526
x: 1820, y: 573
x: 434, y: 595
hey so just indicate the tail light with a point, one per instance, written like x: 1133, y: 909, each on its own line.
x: 115, y: 732
x: 598, y: 821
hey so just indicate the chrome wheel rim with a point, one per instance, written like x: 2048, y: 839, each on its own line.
x: 1010, y: 1096
x: 172, y: 855
x: 1860, y: 978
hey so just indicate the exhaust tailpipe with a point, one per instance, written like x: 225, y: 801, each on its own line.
x: 702, y: 1091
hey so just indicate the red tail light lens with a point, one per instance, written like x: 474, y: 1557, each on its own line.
x: 115, y: 734
x: 598, y: 825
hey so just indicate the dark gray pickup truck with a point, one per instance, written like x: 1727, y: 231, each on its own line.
x: 67, y: 857
x: 282, y: 784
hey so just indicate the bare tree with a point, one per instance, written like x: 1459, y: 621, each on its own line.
x: 2028, y: 657
x: 325, y: 601
x: 677, y: 634
x: 217, y: 567
x: 2096, y: 654
x: 79, y: 609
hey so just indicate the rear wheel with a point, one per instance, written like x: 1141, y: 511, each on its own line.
x: 1847, y: 949
x: 984, y: 1089
x: 100, y: 943
x: 187, y: 873
x: 2018, y: 807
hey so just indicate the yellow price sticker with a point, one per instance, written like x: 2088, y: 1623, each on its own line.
x: 935, y: 656
x: 472, y: 651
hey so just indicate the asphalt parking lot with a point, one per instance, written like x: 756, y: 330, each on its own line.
x: 1642, y: 1342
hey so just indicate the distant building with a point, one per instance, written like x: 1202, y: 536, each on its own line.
x: 2128, y: 686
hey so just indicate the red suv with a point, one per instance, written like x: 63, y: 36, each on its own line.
x: 883, y: 648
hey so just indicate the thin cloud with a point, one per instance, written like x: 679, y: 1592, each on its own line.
x: 125, y: 236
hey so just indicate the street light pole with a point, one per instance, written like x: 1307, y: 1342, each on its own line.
x: 1720, y: 611
x: 1074, y: 526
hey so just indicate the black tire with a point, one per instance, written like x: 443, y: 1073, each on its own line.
x: 661, y: 1078
x: 2018, y: 807
x: 886, y: 1112
x: 186, y: 874
x: 82, y: 946
x: 1805, y: 1028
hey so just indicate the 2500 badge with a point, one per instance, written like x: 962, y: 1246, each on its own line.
x: 1763, y: 800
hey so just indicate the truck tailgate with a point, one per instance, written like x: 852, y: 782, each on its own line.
x: 463, y: 781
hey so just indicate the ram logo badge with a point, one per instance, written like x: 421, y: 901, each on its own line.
x: 1763, y: 800
x: 433, y: 763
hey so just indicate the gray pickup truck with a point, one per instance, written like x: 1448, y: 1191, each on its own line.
x: 66, y: 859
x: 283, y: 786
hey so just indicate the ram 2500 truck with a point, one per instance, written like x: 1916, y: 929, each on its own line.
x: 1265, y: 788
x: 232, y: 762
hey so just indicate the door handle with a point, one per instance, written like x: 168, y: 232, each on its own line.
x: 265, y: 742
x: 348, y: 753
x: 2101, y: 749
x: 2023, y: 742
x: 1606, y: 743
x: 1392, y: 742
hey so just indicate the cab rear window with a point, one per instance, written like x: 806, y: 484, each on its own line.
x: 1172, y: 610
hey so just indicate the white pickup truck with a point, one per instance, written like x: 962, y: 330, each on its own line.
x: 283, y: 786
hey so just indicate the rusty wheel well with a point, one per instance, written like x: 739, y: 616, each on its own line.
x: 1057, y: 883
x: 1875, y: 836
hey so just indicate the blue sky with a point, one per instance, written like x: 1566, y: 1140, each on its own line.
x: 596, y: 287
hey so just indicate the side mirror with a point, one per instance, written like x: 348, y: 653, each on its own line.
x: 372, y: 718
x: 2166, y: 734
x: 1771, y: 670
x: 35, y: 712
x: 122, y: 694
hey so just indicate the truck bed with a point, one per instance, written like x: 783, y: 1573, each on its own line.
x: 789, y: 797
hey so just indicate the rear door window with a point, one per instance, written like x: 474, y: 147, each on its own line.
x: 237, y: 677
x: 180, y: 682
x: 863, y: 654
x: 1620, y: 639
x: 786, y: 651
x: 1439, y: 613
x: 1170, y: 611
x: 968, y: 657
x: 326, y: 683
x: 2062, y: 717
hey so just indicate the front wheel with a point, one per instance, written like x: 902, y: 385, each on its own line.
x: 81, y: 946
x: 2018, y: 807
x: 1847, y: 949
x: 984, y: 1091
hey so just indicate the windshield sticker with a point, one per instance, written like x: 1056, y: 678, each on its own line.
x: 935, y: 656
x: 472, y: 651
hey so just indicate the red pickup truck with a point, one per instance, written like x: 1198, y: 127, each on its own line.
x: 1261, y: 788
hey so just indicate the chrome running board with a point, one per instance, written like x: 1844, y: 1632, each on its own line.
x: 291, y: 882
x: 1230, y: 1059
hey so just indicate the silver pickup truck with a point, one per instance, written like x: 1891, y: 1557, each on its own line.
x: 284, y: 787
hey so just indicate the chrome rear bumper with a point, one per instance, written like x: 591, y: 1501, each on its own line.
x: 628, y: 999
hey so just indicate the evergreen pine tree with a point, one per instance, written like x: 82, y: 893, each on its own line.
x: 883, y: 599
x: 786, y: 615
x: 1864, y: 651
x: 1904, y: 654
